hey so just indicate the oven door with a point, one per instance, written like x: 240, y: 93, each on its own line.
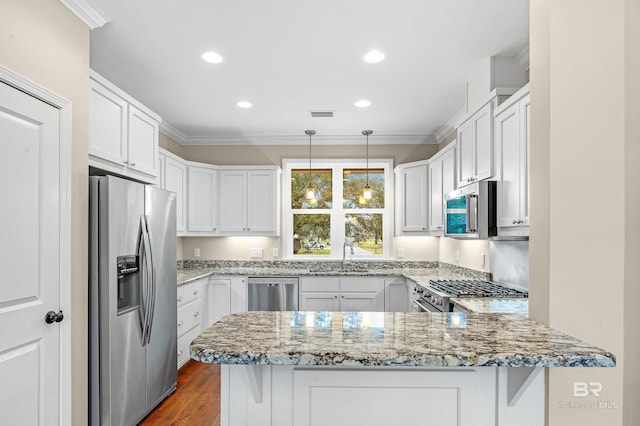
x: 424, y: 306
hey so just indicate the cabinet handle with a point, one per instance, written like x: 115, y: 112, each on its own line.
x: 336, y: 296
x: 248, y: 229
x: 180, y: 352
x: 132, y: 164
x: 179, y: 298
x: 195, y: 292
x: 180, y: 323
x: 125, y: 162
x: 196, y: 314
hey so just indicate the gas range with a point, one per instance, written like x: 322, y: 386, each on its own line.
x: 435, y: 298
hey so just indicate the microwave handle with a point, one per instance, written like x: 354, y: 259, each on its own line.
x: 472, y: 213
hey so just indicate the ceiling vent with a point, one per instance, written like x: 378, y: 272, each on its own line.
x: 321, y: 114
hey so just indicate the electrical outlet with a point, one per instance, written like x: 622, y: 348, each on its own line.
x: 400, y: 252
x: 274, y: 252
x: 196, y: 252
x: 256, y: 253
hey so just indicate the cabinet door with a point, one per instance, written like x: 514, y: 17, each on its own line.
x: 448, y: 172
x: 361, y: 302
x: 509, y: 185
x: 396, y: 295
x: 436, y: 209
x: 107, y: 125
x: 175, y: 180
x: 413, y: 208
x: 525, y: 129
x: 202, y: 197
x: 483, y: 134
x: 143, y: 142
x: 464, y: 147
x: 219, y: 300
x: 261, y: 202
x: 319, y: 301
x: 233, y: 201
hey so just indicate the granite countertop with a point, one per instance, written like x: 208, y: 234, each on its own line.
x: 392, y: 338
x: 493, y: 305
x: 420, y: 272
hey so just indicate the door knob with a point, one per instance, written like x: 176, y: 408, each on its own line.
x: 51, y: 317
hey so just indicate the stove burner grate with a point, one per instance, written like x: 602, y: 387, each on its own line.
x: 475, y: 288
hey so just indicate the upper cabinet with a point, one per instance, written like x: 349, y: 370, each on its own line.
x: 202, y: 198
x: 475, y: 147
x: 442, y: 180
x: 123, y: 134
x: 512, y: 158
x: 249, y: 201
x: 412, y: 203
x: 172, y: 176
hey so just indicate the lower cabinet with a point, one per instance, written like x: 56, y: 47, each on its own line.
x: 190, y: 314
x: 396, y: 295
x: 364, y: 294
x: 203, y: 302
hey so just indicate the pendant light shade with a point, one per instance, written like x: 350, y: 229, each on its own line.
x: 366, y: 194
x: 311, y: 193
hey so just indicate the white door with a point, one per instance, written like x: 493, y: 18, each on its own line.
x: 30, y: 261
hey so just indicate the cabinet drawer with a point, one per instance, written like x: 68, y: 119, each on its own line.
x: 189, y: 292
x: 189, y: 316
x: 184, y: 342
x: 329, y: 284
x: 362, y: 284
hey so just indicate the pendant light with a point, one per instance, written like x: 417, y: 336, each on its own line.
x: 367, y: 189
x: 311, y: 194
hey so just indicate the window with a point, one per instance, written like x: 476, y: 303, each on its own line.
x: 325, y: 213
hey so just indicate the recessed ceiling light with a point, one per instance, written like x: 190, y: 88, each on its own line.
x: 212, y: 57
x: 373, y: 56
x: 244, y: 104
x: 362, y: 103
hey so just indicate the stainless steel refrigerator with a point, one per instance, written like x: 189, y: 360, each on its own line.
x: 132, y: 291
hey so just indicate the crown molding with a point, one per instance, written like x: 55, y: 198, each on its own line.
x: 450, y: 126
x: 173, y: 133
x: 86, y: 12
x: 303, y: 140
x: 523, y: 58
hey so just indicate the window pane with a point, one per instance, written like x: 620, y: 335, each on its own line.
x: 312, y: 234
x: 354, y: 182
x: 364, y: 233
x: 320, y: 183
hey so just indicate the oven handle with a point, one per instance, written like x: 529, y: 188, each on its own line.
x: 427, y: 307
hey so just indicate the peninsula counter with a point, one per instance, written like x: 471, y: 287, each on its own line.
x: 304, y: 368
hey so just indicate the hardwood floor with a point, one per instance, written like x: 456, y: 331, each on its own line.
x: 196, y: 401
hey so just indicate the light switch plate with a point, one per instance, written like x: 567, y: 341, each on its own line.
x: 400, y: 252
x: 196, y: 252
x: 256, y: 253
x: 275, y: 252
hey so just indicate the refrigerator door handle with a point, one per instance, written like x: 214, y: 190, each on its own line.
x: 146, y: 296
x: 151, y: 281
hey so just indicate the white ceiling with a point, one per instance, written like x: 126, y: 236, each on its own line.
x: 291, y: 56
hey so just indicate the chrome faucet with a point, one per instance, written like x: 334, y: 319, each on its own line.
x: 344, y: 253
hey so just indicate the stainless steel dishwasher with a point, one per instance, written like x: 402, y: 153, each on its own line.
x: 273, y: 293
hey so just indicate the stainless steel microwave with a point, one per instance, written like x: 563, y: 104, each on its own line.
x: 470, y: 212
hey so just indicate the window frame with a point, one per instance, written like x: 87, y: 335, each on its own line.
x: 337, y: 212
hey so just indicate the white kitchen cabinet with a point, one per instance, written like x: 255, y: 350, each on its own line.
x: 173, y: 177
x: 357, y: 294
x: 412, y: 193
x: 123, y: 134
x: 475, y: 146
x: 249, y: 201
x: 202, y: 198
x: 442, y: 179
x: 218, y: 299
x: 190, y: 313
x: 396, y: 295
x: 512, y: 146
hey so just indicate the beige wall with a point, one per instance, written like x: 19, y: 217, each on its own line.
x: 44, y: 42
x: 223, y: 155
x: 584, y: 65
